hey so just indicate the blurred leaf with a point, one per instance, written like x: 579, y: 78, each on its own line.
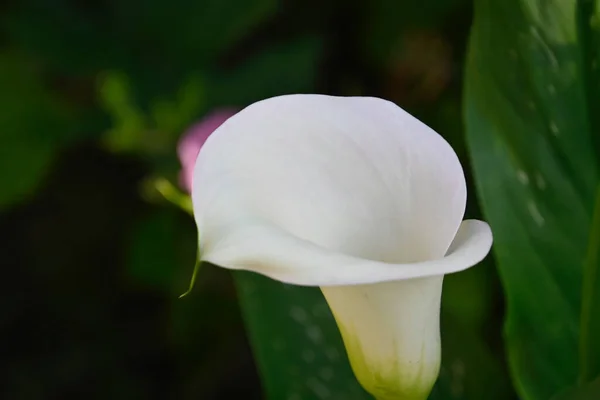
x: 470, y: 368
x: 34, y: 125
x: 420, y: 68
x: 296, y: 342
x: 159, y: 190
x: 590, y: 391
x: 116, y: 34
x: 154, y: 132
x: 173, y: 117
x: 469, y: 371
x: 290, y: 67
x: 387, y: 20
x: 75, y: 39
x: 532, y: 119
x: 191, y: 30
x: 116, y: 96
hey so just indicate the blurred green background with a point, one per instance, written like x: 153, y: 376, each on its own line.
x: 94, y: 95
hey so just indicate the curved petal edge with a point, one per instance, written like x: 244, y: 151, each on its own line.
x: 268, y: 250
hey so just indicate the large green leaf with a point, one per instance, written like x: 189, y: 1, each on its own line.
x: 532, y: 116
x: 589, y: 345
x: 296, y: 342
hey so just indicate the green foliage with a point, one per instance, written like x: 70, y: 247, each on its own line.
x: 133, y: 35
x: 34, y: 125
x: 155, y: 133
x: 386, y: 20
x: 188, y: 30
x: 296, y: 342
x: 281, y: 68
x: 589, y: 347
x: 532, y: 125
x: 471, y: 368
x: 71, y: 39
x: 586, y: 392
x: 128, y: 120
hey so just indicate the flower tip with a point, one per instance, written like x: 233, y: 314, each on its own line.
x: 391, y: 334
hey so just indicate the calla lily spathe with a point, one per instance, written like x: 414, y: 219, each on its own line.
x: 356, y: 196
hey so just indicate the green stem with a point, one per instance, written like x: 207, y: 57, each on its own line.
x: 590, y: 301
x: 194, y: 275
x: 173, y: 195
x: 183, y: 201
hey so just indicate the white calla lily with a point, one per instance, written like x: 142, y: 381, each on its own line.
x: 356, y: 196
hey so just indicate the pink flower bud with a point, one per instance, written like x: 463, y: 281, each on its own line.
x: 192, y: 141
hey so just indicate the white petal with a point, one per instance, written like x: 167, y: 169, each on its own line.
x: 350, y: 176
x: 275, y: 253
x: 391, y: 333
